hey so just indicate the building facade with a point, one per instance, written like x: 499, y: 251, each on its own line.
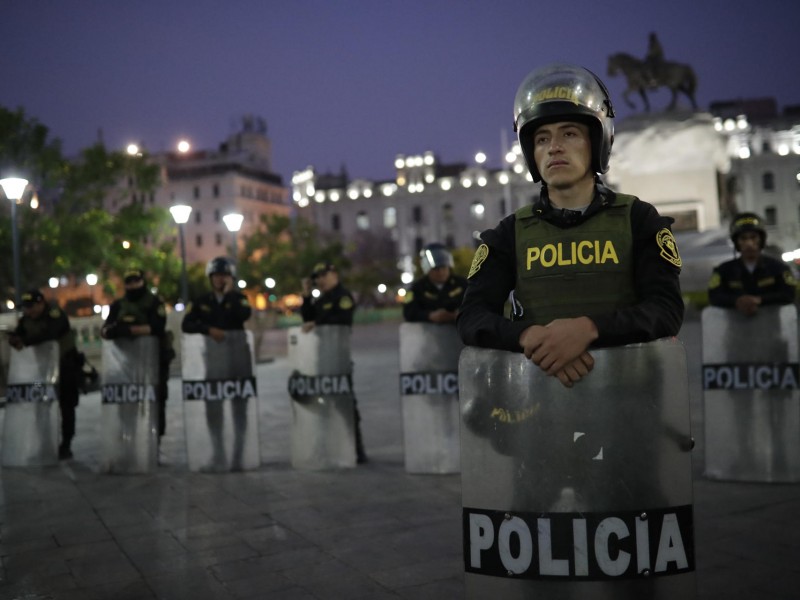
x: 235, y: 178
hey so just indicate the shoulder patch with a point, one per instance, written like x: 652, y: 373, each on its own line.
x: 162, y: 311
x: 788, y: 278
x: 715, y: 281
x: 409, y: 297
x: 346, y: 303
x: 55, y: 313
x: 669, y: 247
x: 245, y: 301
x: 480, y: 255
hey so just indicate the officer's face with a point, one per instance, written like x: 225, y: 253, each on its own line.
x: 33, y: 310
x: 220, y: 282
x: 327, y: 281
x: 749, y: 244
x: 439, y: 275
x: 563, y: 153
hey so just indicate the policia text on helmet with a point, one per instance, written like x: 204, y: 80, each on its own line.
x: 561, y: 92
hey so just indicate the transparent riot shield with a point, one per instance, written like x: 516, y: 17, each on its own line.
x: 321, y: 389
x: 129, y: 413
x: 220, y: 406
x: 583, y: 492
x: 429, y: 397
x: 30, y: 431
x: 751, y: 402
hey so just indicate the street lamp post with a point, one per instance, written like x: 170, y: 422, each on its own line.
x: 233, y: 221
x: 14, y: 187
x: 181, y: 212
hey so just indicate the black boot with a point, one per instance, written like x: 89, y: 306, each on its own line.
x: 64, y: 451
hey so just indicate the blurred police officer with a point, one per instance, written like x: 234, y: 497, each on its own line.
x: 589, y: 267
x: 436, y: 296
x: 752, y: 279
x: 334, y: 306
x: 222, y: 309
x: 39, y: 323
x: 140, y: 312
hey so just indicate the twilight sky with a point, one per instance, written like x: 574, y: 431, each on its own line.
x: 356, y: 82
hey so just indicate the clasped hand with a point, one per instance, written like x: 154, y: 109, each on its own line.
x: 560, y: 348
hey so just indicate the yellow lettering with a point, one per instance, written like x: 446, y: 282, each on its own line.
x: 582, y: 256
x: 561, y: 260
x: 533, y: 256
x: 609, y: 253
x: 549, y: 262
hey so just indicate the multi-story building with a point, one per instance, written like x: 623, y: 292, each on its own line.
x: 235, y: 178
x: 689, y: 165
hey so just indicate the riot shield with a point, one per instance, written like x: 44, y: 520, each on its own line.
x: 30, y: 431
x: 751, y: 403
x: 429, y: 397
x: 583, y: 492
x: 220, y: 406
x: 129, y: 413
x: 321, y: 389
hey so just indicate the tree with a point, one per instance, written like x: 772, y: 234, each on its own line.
x: 72, y: 233
x: 286, y: 250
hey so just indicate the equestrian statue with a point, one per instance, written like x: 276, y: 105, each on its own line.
x: 653, y: 72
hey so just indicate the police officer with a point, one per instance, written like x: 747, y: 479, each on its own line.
x: 435, y: 297
x: 41, y: 323
x: 335, y: 306
x: 752, y: 279
x: 140, y: 312
x: 222, y: 309
x: 588, y: 267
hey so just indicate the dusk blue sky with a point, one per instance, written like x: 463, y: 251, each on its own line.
x: 356, y: 82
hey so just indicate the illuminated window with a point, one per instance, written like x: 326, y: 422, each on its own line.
x: 390, y: 217
x: 362, y: 221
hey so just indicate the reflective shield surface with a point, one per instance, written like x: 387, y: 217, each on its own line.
x: 220, y: 402
x: 31, y: 428
x: 129, y: 412
x: 751, y: 402
x: 323, y: 426
x: 582, y: 492
x: 429, y: 396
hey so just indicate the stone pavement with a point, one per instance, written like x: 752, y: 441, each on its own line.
x: 374, y: 532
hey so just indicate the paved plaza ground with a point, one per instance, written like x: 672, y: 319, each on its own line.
x: 373, y: 533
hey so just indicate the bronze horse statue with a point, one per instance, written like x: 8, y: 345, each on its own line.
x: 643, y: 76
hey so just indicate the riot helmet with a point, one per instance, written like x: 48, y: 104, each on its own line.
x: 221, y: 264
x: 747, y: 221
x: 433, y: 256
x: 562, y: 92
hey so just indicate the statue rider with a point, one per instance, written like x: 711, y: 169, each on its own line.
x: 654, y: 60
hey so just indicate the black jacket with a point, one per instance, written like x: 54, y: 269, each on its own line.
x: 335, y: 307
x: 424, y: 297
x: 657, y: 313
x: 229, y: 314
x: 771, y: 280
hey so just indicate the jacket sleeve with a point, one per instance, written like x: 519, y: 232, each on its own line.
x: 719, y: 292
x: 659, y: 309
x: 481, y: 321
x: 240, y: 308
x: 307, y: 309
x: 193, y: 321
x: 413, y: 312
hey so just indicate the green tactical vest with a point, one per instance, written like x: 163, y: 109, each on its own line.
x: 135, y: 312
x: 37, y: 328
x: 582, y: 270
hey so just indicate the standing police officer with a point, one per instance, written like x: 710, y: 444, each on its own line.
x: 753, y: 279
x: 140, y: 312
x: 335, y: 306
x: 587, y: 266
x: 42, y: 323
x: 222, y: 309
x: 435, y: 297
